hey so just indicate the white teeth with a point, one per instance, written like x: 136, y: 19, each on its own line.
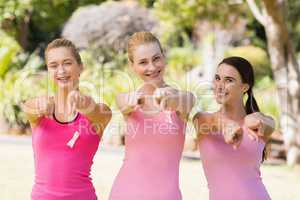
x: 63, y: 78
x: 221, y: 94
x: 153, y: 74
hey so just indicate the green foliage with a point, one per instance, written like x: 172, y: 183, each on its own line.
x: 258, y: 58
x: 293, y: 16
x: 19, y: 85
x: 266, y: 96
x: 103, y: 81
x: 42, y: 18
x: 179, y: 17
x: 182, y: 59
x: 8, y: 50
x: 147, y: 3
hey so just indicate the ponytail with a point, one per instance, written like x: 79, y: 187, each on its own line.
x: 251, y: 104
x: 251, y: 107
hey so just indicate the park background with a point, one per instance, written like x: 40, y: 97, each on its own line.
x: 195, y: 34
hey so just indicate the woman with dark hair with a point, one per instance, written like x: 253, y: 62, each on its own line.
x: 234, y: 173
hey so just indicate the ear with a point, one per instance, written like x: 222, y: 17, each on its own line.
x: 246, y: 87
x: 164, y: 52
x: 131, y: 66
x: 130, y: 62
x: 81, y: 67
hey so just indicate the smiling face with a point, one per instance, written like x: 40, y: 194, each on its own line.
x: 148, y: 62
x: 63, y: 67
x: 228, y: 86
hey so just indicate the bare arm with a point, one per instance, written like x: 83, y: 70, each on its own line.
x: 204, y: 124
x: 176, y: 100
x: 260, y: 125
x: 98, y: 114
x: 127, y: 102
x: 37, y: 108
x: 182, y: 102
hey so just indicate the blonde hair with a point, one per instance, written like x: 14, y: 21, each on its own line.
x: 62, y: 42
x: 140, y: 38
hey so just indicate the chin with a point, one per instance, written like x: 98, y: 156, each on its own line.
x: 221, y: 101
x: 64, y: 85
x: 153, y: 80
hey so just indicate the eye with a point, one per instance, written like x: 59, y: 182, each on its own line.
x: 217, y: 78
x: 68, y: 63
x: 52, y: 66
x: 156, y: 58
x: 229, y: 80
x: 142, y: 62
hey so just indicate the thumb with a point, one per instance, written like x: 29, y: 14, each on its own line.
x: 252, y: 134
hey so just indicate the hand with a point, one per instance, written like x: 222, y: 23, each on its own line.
x: 233, y: 133
x: 80, y: 102
x: 163, y: 97
x: 255, y: 122
x: 45, y: 106
x: 136, y: 99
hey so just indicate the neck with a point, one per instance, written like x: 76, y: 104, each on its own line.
x: 235, y: 111
x: 149, y: 87
x: 61, y: 101
x: 157, y: 83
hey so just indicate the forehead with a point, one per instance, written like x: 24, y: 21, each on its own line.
x: 146, y: 50
x: 228, y: 70
x: 58, y: 54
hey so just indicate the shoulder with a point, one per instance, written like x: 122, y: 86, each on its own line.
x: 104, y: 107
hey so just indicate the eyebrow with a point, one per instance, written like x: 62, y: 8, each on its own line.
x: 67, y: 59
x: 53, y: 62
x: 143, y: 59
x: 229, y: 77
x: 226, y: 77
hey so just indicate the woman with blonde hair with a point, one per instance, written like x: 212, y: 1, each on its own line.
x: 66, y: 130
x: 156, y: 116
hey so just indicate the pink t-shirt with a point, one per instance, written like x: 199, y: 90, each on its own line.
x: 63, y: 156
x: 153, y: 148
x: 233, y: 174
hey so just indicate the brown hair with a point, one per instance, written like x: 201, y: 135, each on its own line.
x: 139, y: 38
x: 246, y: 72
x: 62, y: 42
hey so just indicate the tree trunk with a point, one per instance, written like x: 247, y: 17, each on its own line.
x: 286, y: 72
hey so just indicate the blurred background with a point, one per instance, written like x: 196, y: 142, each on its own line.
x: 196, y: 35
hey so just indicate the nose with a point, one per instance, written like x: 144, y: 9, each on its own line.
x: 61, y: 69
x: 219, y: 86
x: 151, y: 67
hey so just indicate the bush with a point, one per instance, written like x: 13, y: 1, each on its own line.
x: 258, y: 58
x: 19, y: 85
x: 8, y: 50
x: 267, y: 98
x: 182, y: 59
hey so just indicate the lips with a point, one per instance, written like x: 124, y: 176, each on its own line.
x: 153, y: 75
x: 63, y: 79
x: 222, y: 94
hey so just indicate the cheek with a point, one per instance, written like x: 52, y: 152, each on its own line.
x: 74, y: 71
x: 234, y: 90
x: 214, y: 85
x: 51, y: 73
x: 161, y: 64
x: 139, y: 70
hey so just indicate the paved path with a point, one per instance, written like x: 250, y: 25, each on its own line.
x: 16, y: 173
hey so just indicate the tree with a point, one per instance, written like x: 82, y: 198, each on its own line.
x: 34, y: 22
x: 272, y: 15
